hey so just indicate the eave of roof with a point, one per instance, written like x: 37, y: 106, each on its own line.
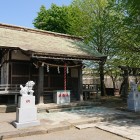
x: 65, y: 57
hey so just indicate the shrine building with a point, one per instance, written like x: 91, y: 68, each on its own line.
x: 52, y: 60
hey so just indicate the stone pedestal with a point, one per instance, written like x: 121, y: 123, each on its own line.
x: 133, y: 101
x: 26, y: 113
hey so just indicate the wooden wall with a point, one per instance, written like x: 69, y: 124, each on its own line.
x: 4, y: 67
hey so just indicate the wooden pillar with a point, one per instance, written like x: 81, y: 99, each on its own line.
x: 80, y: 84
x: 40, y: 85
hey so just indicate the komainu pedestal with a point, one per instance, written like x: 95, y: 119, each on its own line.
x: 133, y: 100
x: 26, y: 113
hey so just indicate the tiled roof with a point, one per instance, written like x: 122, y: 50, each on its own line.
x: 42, y: 42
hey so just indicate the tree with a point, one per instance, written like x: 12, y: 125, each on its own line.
x: 129, y: 40
x: 111, y: 28
x: 54, y: 19
x: 131, y: 26
x: 99, y: 24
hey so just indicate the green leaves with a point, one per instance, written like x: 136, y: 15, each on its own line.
x: 40, y: 20
x: 54, y: 19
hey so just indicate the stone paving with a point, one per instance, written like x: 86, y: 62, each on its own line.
x: 127, y: 128
x: 75, y: 115
x: 114, y: 121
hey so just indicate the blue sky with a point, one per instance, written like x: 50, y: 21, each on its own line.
x: 23, y: 12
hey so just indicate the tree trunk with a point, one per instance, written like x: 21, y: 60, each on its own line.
x: 113, y: 81
x: 101, y: 69
x: 124, y: 86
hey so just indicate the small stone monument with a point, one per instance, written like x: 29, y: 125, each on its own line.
x: 61, y: 96
x: 133, y: 100
x: 26, y: 113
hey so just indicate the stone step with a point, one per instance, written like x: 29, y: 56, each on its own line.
x: 54, y: 106
x: 68, y: 109
x: 45, y: 107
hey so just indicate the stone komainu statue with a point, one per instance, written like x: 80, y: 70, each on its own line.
x: 28, y: 89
